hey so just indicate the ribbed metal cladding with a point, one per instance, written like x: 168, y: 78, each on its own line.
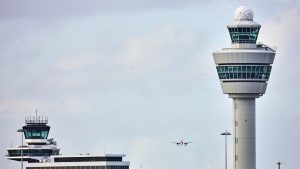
x: 244, y: 87
x: 244, y: 56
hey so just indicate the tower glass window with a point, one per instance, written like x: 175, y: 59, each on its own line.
x: 243, y: 34
x: 244, y: 72
x: 36, y: 134
x: 32, y: 152
x: 36, y: 131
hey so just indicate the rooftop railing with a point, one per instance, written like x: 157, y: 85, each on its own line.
x: 36, y: 120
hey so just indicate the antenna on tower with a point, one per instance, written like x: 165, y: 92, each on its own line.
x: 279, y: 163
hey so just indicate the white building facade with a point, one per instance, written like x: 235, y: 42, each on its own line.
x: 107, y: 161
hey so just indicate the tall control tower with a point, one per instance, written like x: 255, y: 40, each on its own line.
x: 244, y: 70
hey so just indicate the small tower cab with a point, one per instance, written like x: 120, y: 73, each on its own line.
x: 38, y: 147
x: 243, y: 31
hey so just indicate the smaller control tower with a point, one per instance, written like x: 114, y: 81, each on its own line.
x: 244, y: 70
x: 38, y: 147
x: 42, y: 153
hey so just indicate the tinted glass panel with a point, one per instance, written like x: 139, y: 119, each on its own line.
x: 31, y: 152
x: 243, y: 35
x: 261, y: 72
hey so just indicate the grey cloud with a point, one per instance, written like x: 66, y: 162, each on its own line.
x: 49, y: 9
x: 153, y: 104
x: 69, y: 8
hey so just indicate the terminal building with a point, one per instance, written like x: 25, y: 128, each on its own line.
x: 107, y: 161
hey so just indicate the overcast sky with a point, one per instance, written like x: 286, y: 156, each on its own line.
x: 130, y: 76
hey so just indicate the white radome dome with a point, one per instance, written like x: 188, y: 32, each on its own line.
x: 243, y: 13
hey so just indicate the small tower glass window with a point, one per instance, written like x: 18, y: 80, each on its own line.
x: 36, y: 131
x: 243, y: 34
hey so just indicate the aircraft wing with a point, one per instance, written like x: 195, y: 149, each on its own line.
x: 177, y: 143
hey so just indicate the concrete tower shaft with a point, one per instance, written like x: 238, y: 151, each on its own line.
x: 244, y: 70
x: 244, y: 133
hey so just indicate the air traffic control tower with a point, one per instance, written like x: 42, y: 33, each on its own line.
x: 244, y: 70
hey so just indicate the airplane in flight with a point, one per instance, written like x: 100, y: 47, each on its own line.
x: 182, y: 143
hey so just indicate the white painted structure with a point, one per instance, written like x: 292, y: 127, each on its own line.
x: 38, y: 146
x: 42, y: 153
x: 84, y: 161
x: 244, y: 70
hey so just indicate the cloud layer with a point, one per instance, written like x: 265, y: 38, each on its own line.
x: 133, y: 76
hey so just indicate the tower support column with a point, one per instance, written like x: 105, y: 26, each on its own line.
x: 244, y: 132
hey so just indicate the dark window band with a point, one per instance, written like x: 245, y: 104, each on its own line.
x: 243, y: 35
x: 261, y: 72
x: 81, y: 167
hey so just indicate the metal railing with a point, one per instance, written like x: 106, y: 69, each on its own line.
x: 262, y: 45
x: 36, y: 120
